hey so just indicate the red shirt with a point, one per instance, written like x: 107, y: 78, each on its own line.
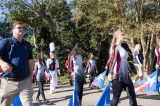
x: 0, y: 70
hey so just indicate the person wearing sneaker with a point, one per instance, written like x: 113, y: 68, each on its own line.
x: 39, y: 71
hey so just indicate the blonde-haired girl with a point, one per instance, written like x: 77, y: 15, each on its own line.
x: 119, y: 70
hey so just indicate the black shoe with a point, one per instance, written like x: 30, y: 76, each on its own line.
x: 37, y: 99
x: 46, y: 102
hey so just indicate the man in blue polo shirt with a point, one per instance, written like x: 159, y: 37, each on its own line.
x: 16, y: 61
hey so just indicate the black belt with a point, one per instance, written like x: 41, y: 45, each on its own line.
x: 14, y: 79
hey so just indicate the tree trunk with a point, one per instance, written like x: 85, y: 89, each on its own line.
x: 148, y: 52
x: 34, y: 39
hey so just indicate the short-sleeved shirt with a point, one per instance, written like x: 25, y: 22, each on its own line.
x: 17, y: 54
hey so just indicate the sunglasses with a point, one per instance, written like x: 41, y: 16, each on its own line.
x: 18, y: 28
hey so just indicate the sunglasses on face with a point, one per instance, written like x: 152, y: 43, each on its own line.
x: 18, y: 28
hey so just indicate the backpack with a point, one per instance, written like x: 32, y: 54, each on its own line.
x: 9, y: 43
x: 67, y: 64
x: 52, y: 66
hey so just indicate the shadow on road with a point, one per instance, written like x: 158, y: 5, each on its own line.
x: 64, y: 91
x: 52, y: 101
x: 60, y: 99
x: 144, y: 96
x: 152, y: 97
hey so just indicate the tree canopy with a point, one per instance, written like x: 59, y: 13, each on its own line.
x: 88, y: 22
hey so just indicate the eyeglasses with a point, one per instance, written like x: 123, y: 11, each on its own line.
x: 18, y: 28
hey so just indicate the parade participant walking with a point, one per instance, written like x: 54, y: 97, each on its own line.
x: 92, y: 68
x: 39, y: 70
x: 119, y: 70
x: 16, y: 61
x: 78, y: 72
x: 53, y: 67
x: 138, y: 61
x: 157, y: 52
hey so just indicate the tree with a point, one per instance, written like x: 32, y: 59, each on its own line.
x: 54, y: 16
x: 49, y: 21
x: 89, y: 23
x: 95, y: 21
x: 147, y: 20
x: 5, y: 30
x: 99, y: 18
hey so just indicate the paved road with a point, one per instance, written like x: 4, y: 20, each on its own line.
x: 64, y: 91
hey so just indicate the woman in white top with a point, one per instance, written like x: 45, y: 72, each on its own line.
x: 53, y: 67
x: 39, y: 70
x: 91, y: 65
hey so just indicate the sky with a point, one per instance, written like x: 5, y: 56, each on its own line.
x: 68, y: 1
x: 1, y: 16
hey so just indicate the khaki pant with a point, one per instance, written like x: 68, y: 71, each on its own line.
x: 9, y: 89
